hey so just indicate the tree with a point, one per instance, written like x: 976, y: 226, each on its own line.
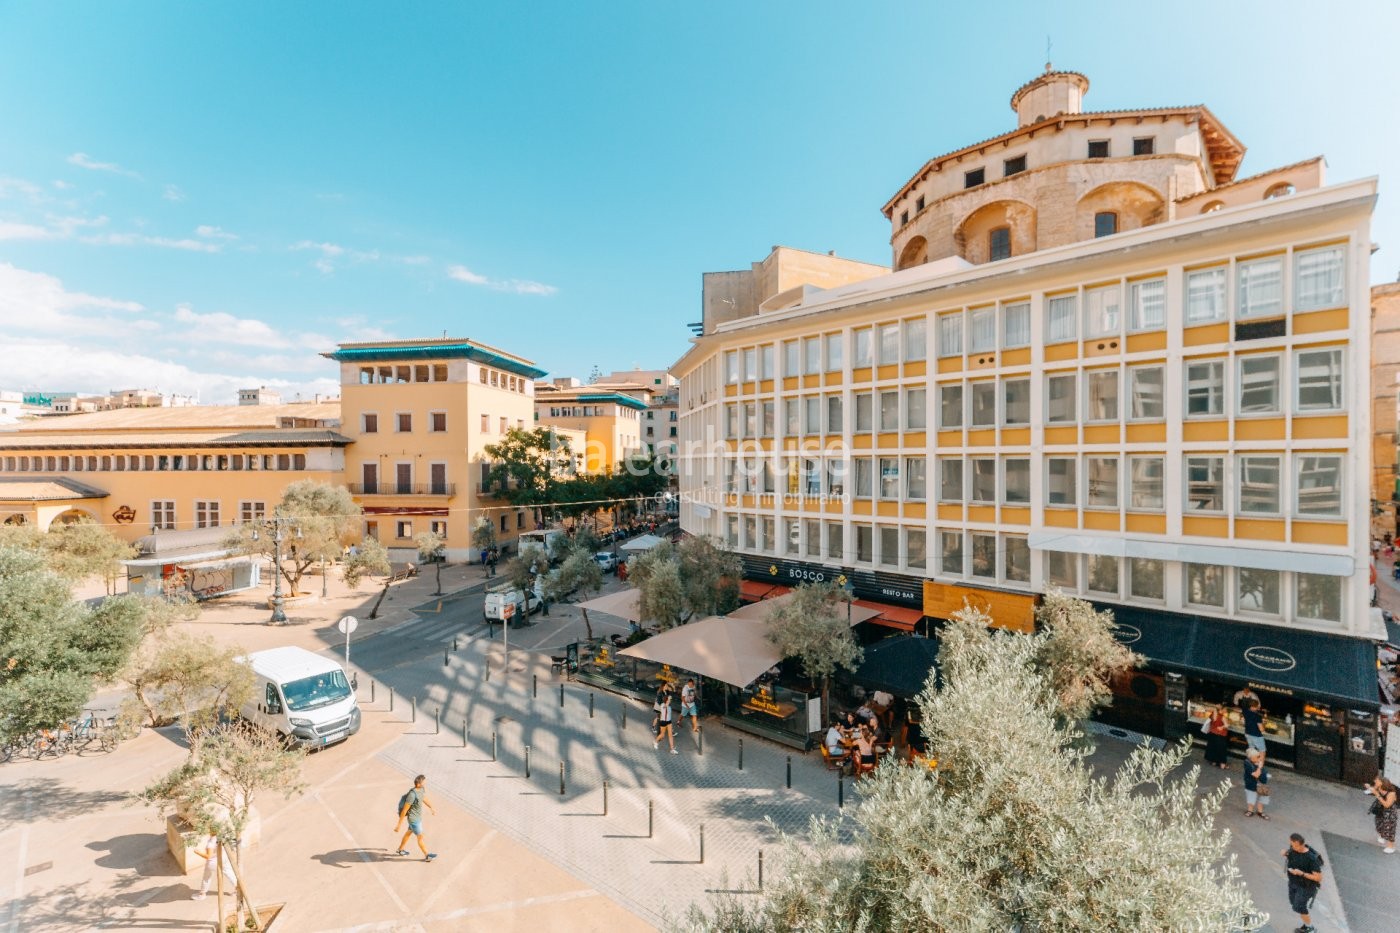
x: 484, y: 534
x: 74, y: 550
x: 367, y: 558
x: 812, y: 626
x: 53, y: 650
x: 319, y: 520
x: 430, y: 545
x: 189, y: 679
x: 698, y: 578
x: 1013, y: 830
x: 522, y: 569
x: 1079, y: 655
x: 527, y: 464
x: 657, y: 576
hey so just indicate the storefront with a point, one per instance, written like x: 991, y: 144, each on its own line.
x: 1317, y: 692
x: 195, y: 563
x: 898, y: 598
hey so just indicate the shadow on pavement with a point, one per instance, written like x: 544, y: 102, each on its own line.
x: 141, y: 851
x: 347, y: 858
x: 53, y: 801
x: 75, y: 907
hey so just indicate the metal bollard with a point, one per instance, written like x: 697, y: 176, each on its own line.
x: 371, y: 691
x: 760, y: 869
x: 561, y: 696
x: 437, y: 721
x: 700, y: 742
x: 391, y: 699
x: 454, y: 642
x: 527, y: 761
x: 488, y: 670
x: 466, y: 732
x: 493, y: 746
x: 590, y: 706
x: 623, y: 704
x: 789, y: 769
x: 651, y: 818
x: 444, y: 657
x: 534, y: 686
x: 702, y: 843
x: 413, y: 711
x: 561, y: 779
x: 605, y: 798
x: 840, y: 790
x: 741, y: 754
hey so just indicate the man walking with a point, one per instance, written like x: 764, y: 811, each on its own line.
x: 688, y: 707
x: 664, y: 721
x: 411, y: 808
x: 1304, y: 867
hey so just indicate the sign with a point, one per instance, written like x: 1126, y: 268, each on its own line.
x: 1012, y: 611
x: 894, y: 588
x: 1392, y: 753
x: 1272, y: 660
x: 347, y: 625
x: 124, y: 515
x: 507, y: 610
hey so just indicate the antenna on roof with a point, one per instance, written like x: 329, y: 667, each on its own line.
x: 1047, y: 53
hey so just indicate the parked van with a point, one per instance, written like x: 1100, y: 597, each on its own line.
x: 540, y: 539
x: 303, y: 697
x: 499, y: 597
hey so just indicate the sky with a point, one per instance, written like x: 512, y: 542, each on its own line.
x: 200, y: 197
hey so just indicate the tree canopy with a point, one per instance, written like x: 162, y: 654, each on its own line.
x: 812, y: 627
x: 319, y: 519
x: 527, y: 464
x: 74, y: 550
x: 680, y: 583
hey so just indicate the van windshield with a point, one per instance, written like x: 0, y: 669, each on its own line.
x: 316, y: 691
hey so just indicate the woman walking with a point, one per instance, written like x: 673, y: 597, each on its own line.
x: 1217, y: 738
x: 1384, y: 810
x: 1256, y: 784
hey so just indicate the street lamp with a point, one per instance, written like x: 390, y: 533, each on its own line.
x: 277, y: 524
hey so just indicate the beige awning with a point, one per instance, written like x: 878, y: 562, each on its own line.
x: 760, y: 610
x: 623, y: 604
x: 734, y: 651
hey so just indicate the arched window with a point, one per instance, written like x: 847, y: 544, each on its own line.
x: 1105, y: 223
x: 1212, y: 207
x: 999, y: 244
x: 1280, y: 190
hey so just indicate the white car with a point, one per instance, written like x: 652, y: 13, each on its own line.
x: 607, y: 560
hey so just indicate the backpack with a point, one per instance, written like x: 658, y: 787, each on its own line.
x: 403, y: 802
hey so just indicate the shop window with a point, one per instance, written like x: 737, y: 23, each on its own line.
x: 1059, y: 395
x: 1319, y: 380
x: 835, y: 545
x: 1146, y: 483
x: 1017, y: 481
x: 1105, y: 223
x: 1061, y: 325
x: 950, y: 406
x: 916, y: 478
x: 915, y: 409
x: 835, y: 344
x: 982, y: 330
x: 950, y: 552
x: 1319, y: 597
x: 1102, y: 311
x: 916, y: 548
x: 1148, y: 300
x: 1145, y: 393
x: 1257, y: 590
x: 1259, y: 288
x: 1205, y: 295
x: 1016, y: 401
x: 1101, y: 482
x: 1102, y: 576
x: 1145, y: 578
x: 1205, y: 585
x: 1318, y: 279
x: 865, y: 544
x: 1062, y: 570
x: 915, y: 339
x: 1017, y: 555
x: 1260, y: 384
x: 1016, y: 325
x: 984, y: 480
x: 950, y: 341
x: 1101, y: 395
x: 1205, y: 388
x: 999, y: 244
x: 863, y: 350
x: 1319, y: 486
x: 1259, y: 485
x: 865, y: 415
x: 950, y: 479
x: 1060, y: 485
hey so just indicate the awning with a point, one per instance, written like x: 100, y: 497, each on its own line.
x: 896, y: 617
x: 1392, y: 628
x: 753, y: 590
x: 1331, y: 668
x: 860, y: 611
x: 898, y: 665
x: 643, y: 543
x: 623, y: 604
x: 734, y: 651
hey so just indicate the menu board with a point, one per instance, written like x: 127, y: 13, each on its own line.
x: 1392, y: 753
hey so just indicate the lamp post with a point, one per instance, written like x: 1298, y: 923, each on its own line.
x: 850, y: 590
x: 277, y: 525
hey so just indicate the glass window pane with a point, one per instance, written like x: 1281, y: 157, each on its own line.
x: 1101, y: 311
x: 792, y: 362
x: 950, y: 548
x: 984, y: 555
x: 813, y: 531
x: 792, y: 417
x: 1018, y: 481
x: 950, y: 479
x: 889, y: 411
x: 950, y: 406
x: 1059, y: 394
x: 916, y: 548
x: 1060, y: 319
x: 1101, y: 475
x: 1146, y: 483
x: 864, y: 483
x: 865, y: 544
x: 1260, y: 287
x: 984, y: 404
x: 834, y: 540
x: 1205, y: 388
x: 1320, y: 380
x: 1319, y: 282
x: 1319, y: 486
x: 765, y: 362
x: 889, y: 477
x: 1259, y: 485
x: 1319, y: 597
x: 982, y: 330
x: 1103, y: 574
x: 950, y: 335
x: 750, y: 364
x: 835, y: 343
x: 731, y: 366
x: 835, y: 422
x: 1147, y: 397
x: 1258, y: 590
x: 916, y: 409
x: 1149, y: 302
x: 1016, y: 325
x: 1060, y: 481
x: 916, y: 478
x: 984, y: 480
x: 1101, y: 395
x: 1205, y: 484
x: 865, y: 417
x: 1016, y: 399
x: 811, y: 355
x: 1259, y: 384
x: 1205, y: 295
x: 863, y: 349
x: 813, y: 413
x: 1018, y: 559
x: 889, y: 344
x: 889, y: 545
x: 1145, y: 578
x: 1205, y: 584
x: 915, y: 339
x: 1062, y: 570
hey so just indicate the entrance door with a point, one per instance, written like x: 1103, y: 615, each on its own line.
x: 370, y: 478
x: 404, y: 477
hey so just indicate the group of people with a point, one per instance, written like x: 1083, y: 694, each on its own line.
x: 663, y: 723
x: 1256, y: 771
x: 857, y: 737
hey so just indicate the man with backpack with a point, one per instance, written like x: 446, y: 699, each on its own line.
x: 1304, y: 871
x: 411, y: 808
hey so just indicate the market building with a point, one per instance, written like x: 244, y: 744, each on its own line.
x: 1105, y: 365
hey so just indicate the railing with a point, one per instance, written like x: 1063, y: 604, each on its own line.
x: 403, y: 489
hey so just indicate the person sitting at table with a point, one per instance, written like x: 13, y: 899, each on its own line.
x: 865, y: 751
x: 865, y: 714
x: 851, y: 725
x: 835, y: 740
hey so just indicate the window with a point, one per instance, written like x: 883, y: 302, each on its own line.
x: 163, y: 514
x: 206, y: 514
x: 835, y: 543
x: 750, y: 364
x: 950, y: 479
x: 1144, y: 145
x: 731, y: 530
x: 1319, y: 486
x: 1145, y: 393
x: 915, y: 409
x: 1014, y: 166
x: 792, y: 358
x: 1283, y: 189
x: 1101, y: 395
x: 1017, y: 483
x: 766, y: 419
x: 984, y: 555
x: 731, y: 421
x: 1016, y: 325
x: 1060, y: 325
x: 813, y: 413
x: 1319, y: 597
x: 974, y: 178
x: 792, y: 417
x: 1145, y: 578
x: 865, y: 419
x: 505, y: 425
x: 1059, y: 395
x: 950, y: 557
x: 814, y: 537
x: 950, y: 406
x: 438, y: 421
x: 916, y: 478
x: 889, y: 411
x: 811, y: 355
x: 915, y: 339
x: 1259, y: 384
x: 835, y: 423
x: 1062, y: 570
x: 812, y: 477
x: 1205, y: 484
x: 903, y: 218
x: 751, y: 532
x: 1148, y: 300
x: 984, y: 480
x: 836, y: 477
x: 1205, y: 295
x: 999, y: 244
x: 251, y: 511
x: 1205, y: 585
x: 1016, y: 401
x: 438, y: 528
x: 889, y: 477
x: 1259, y: 485
x: 369, y: 423
x: 835, y: 343
x: 1145, y: 477
x: 1017, y: 552
x: 984, y: 404
x: 919, y: 204
x: 889, y: 545
x: 1259, y: 287
x: 485, y: 424
x: 863, y: 356
x: 950, y: 335
x: 863, y: 478
x: 1098, y: 149
x: 1258, y: 590
x: 865, y: 544
x: 731, y: 366
x: 1205, y: 388
x: 750, y: 412
x: 1318, y: 281
x: 1103, y: 574
x: 889, y: 344
x: 1101, y: 478
x: 1060, y: 484
x: 765, y: 362
x: 1105, y: 223
x: 1101, y: 312
x: 1319, y: 380
x: 916, y: 548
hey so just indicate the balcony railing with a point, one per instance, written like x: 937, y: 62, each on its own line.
x: 403, y: 489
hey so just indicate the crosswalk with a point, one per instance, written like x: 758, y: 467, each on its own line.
x: 433, y: 630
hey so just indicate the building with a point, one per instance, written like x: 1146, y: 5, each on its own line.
x: 1385, y: 407
x: 660, y: 422
x: 610, y: 416
x: 262, y: 395
x: 1105, y: 365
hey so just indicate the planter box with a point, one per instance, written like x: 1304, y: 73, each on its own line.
x: 267, y: 916
x: 182, y: 840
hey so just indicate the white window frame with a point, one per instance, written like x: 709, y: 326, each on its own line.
x: 1061, y: 318
x: 1019, y: 335
x: 1279, y: 383
x: 1090, y: 375
x: 950, y: 335
x: 1130, y: 410
x: 1244, y: 464
x: 1133, y: 466
x: 1339, y: 382
x: 1103, y: 311
x: 1139, y: 303
x: 1336, y: 298
x: 1299, y: 462
x: 1073, y: 416
x: 1072, y: 487
x: 982, y: 329
x: 1222, y: 482
x: 863, y: 357
x: 1250, y: 276
x: 1220, y: 393
x: 1215, y: 280
x: 1117, y: 503
x: 915, y: 339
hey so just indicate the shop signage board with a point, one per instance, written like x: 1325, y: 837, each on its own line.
x: 894, y: 588
x: 1012, y: 611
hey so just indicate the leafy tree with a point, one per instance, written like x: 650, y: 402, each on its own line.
x: 1079, y: 655
x: 320, y: 519
x: 812, y: 626
x: 587, y: 540
x: 74, y: 550
x: 527, y: 464
x: 189, y: 679
x: 1013, y: 830
x: 657, y: 576
x: 430, y: 545
x: 367, y: 558
x: 484, y: 534
x: 681, y: 583
x: 522, y: 569
x: 52, y: 649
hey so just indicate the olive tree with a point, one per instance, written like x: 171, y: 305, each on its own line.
x: 317, y: 521
x: 812, y: 626
x: 193, y: 680
x: 430, y: 545
x: 680, y: 583
x: 368, y: 558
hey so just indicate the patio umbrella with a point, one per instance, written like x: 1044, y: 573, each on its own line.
x: 623, y: 604
x: 898, y: 665
x: 733, y: 651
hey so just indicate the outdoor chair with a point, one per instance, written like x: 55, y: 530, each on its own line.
x: 833, y: 762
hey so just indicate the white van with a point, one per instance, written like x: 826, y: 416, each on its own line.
x: 544, y: 540
x: 499, y: 597
x: 301, y: 696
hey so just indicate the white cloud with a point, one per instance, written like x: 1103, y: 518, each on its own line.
x: 62, y: 185
x: 327, y: 249
x: 218, y: 327
x: 461, y: 273
x: 10, y: 230
x: 324, y: 266
x: 141, y: 239
x: 173, y: 193
x: 33, y: 302
x: 414, y: 260
x: 83, y: 160
x: 214, y: 233
x: 19, y: 188
x: 65, y: 226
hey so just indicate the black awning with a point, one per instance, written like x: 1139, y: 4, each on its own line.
x: 1330, y: 668
x: 898, y: 665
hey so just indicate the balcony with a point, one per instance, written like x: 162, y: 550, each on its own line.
x: 403, y: 489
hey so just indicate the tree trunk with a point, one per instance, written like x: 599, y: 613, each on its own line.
x: 588, y: 626
x: 439, y: 578
x: 826, y: 702
x: 323, y: 578
x: 374, y: 613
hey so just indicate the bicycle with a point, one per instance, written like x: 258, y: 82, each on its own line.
x: 44, y: 743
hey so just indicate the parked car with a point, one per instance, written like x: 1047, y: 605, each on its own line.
x: 607, y: 560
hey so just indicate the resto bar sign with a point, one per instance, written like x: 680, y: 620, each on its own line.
x: 892, y: 588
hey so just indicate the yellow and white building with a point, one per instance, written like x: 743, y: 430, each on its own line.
x: 610, y: 418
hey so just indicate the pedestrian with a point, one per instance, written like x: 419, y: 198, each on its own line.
x: 1256, y: 784
x: 688, y: 706
x: 1304, y: 867
x: 656, y: 704
x: 1253, y: 725
x: 1384, y: 810
x: 1217, y: 738
x: 1242, y: 694
x: 664, y: 721
x: 209, y: 851
x: 492, y: 556
x: 411, y: 807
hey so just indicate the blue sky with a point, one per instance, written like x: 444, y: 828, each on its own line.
x: 195, y: 197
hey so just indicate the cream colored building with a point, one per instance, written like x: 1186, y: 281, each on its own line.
x: 610, y: 417
x: 660, y: 422
x: 1104, y: 366
x: 1385, y: 406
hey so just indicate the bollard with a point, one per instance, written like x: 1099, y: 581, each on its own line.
x: 466, y: 732
x: 841, y: 790
x: 454, y: 642
x: 605, y: 798
x: 702, y: 843
x: 391, y: 699
x: 488, y: 670
x: 700, y: 742
x: 741, y: 754
x: 493, y: 746
x: 561, y: 779
x: 527, y: 761
x: 413, y: 711
x: 651, y: 818
x: 534, y: 685
x: 561, y: 696
x: 760, y: 869
x: 437, y: 721
x: 371, y: 691
x: 444, y: 657
x: 623, y: 704
x: 590, y: 706
x: 789, y: 769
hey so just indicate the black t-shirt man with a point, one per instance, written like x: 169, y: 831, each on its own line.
x: 1308, y: 862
